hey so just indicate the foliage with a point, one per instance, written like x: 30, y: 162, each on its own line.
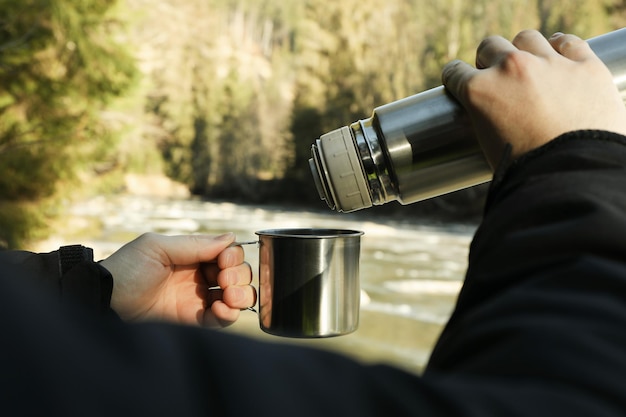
x: 59, y: 68
x: 219, y: 90
x: 230, y: 93
x: 241, y: 88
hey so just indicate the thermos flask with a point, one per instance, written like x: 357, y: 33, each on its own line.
x: 418, y: 147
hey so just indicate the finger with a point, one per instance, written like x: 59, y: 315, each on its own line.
x: 572, y: 47
x: 191, y: 249
x: 534, y: 42
x: 492, y: 50
x: 239, y: 297
x: 220, y: 315
x: 237, y: 275
x: 455, y: 76
x: 231, y: 256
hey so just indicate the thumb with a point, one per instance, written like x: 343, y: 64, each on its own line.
x: 192, y: 249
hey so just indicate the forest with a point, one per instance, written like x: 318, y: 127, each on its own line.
x: 224, y: 96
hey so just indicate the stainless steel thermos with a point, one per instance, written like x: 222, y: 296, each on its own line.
x: 416, y: 148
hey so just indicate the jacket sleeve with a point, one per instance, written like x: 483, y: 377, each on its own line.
x: 542, y: 313
x: 69, y: 274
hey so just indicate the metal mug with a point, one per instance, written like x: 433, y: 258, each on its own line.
x: 309, y: 282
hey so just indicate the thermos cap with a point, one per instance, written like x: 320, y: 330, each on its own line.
x: 342, y: 166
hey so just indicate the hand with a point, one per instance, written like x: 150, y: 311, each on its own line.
x: 532, y: 90
x: 168, y: 277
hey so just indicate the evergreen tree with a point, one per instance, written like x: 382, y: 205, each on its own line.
x: 59, y: 67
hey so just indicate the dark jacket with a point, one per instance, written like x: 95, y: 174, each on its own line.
x: 539, y: 328
x: 69, y: 275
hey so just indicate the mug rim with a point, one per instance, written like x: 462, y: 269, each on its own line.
x: 309, y: 233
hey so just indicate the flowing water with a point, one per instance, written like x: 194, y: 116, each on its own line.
x: 411, y: 273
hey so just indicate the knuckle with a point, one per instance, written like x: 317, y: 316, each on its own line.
x: 475, y: 90
x: 568, y: 45
x: 487, y: 42
x: 524, y: 35
x: 517, y: 63
x: 572, y: 46
x: 147, y: 237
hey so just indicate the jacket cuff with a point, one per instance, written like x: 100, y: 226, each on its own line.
x: 83, y: 280
x: 569, y: 152
x: 72, y: 255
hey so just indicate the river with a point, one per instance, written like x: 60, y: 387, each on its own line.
x: 411, y: 272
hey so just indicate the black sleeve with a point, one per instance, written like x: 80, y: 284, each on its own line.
x: 58, y: 360
x: 542, y: 315
x: 69, y: 274
x: 538, y: 330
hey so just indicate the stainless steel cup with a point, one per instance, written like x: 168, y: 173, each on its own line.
x: 309, y: 282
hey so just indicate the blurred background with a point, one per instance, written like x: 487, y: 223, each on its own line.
x: 188, y: 116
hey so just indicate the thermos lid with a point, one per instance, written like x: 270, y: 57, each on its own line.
x: 341, y: 171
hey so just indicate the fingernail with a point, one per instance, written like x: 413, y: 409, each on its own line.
x: 556, y: 35
x: 226, y: 236
x: 449, y: 69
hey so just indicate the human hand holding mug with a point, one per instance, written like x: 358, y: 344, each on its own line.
x: 195, y: 279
